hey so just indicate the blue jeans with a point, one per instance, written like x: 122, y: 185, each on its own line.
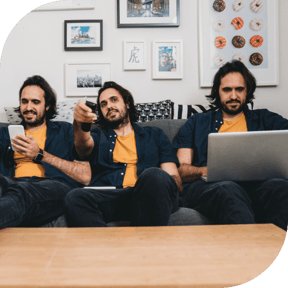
x: 228, y: 202
x: 30, y: 201
x: 149, y: 203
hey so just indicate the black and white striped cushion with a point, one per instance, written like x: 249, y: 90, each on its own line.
x: 180, y: 111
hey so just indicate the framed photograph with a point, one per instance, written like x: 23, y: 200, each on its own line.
x: 168, y: 59
x: 246, y: 31
x: 83, y: 35
x: 85, y: 79
x: 67, y: 5
x: 148, y: 13
x: 134, y: 54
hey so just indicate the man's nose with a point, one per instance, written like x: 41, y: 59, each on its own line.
x: 233, y: 94
x: 29, y: 106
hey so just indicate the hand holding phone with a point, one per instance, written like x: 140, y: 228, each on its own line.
x: 86, y: 127
x: 15, y: 130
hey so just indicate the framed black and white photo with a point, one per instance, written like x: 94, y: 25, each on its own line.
x: 85, y: 79
x: 246, y: 31
x: 83, y: 35
x: 148, y: 13
x: 168, y: 59
x: 134, y: 54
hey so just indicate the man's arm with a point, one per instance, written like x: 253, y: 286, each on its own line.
x: 84, y: 143
x: 28, y: 146
x: 187, y: 171
x: 172, y: 170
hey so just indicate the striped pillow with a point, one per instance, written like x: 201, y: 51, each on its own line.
x: 180, y: 111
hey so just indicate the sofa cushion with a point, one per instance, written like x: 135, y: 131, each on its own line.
x: 184, y: 216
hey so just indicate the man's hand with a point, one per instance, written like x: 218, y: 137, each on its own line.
x: 204, y: 171
x: 83, y: 114
x: 26, y: 145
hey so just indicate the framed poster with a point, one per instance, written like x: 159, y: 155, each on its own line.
x: 83, y: 35
x: 85, y: 79
x: 243, y: 30
x: 168, y: 59
x: 152, y: 13
x: 134, y: 54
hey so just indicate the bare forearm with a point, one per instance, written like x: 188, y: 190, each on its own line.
x: 191, y: 173
x: 83, y: 141
x: 178, y: 181
x: 79, y: 171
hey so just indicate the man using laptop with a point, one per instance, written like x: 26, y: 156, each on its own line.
x: 35, y: 179
x: 228, y: 202
x: 138, y: 161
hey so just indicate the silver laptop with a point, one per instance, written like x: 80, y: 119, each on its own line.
x: 247, y: 156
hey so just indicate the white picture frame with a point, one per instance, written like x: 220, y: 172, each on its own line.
x: 85, y: 79
x: 134, y: 55
x: 167, y: 59
x: 267, y: 73
x: 67, y: 5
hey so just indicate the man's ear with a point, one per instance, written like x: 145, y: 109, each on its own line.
x: 47, y: 108
x: 128, y: 105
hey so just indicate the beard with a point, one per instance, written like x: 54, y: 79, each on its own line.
x: 33, y: 122
x: 232, y: 111
x: 121, y: 120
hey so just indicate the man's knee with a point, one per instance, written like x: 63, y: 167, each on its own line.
x: 73, y: 197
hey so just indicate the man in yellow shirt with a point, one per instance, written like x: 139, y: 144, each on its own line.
x: 138, y: 161
x: 228, y: 202
x: 36, y: 177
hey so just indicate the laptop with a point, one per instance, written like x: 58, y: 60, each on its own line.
x: 247, y: 156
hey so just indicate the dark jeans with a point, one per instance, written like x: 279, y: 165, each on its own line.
x: 149, y: 203
x: 228, y: 202
x: 30, y: 201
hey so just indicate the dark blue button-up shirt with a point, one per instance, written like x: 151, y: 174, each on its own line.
x: 59, y: 142
x: 195, y: 131
x: 153, y: 148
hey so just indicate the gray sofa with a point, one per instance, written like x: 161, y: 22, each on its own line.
x: 184, y: 216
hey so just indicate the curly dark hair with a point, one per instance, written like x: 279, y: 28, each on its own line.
x: 127, y: 97
x: 230, y: 67
x: 50, y: 95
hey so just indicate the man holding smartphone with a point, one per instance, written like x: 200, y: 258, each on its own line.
x: 35, y: 178
x: 135, y: 175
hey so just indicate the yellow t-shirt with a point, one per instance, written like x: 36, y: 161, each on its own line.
x: 125, y: 152
x: 236, y: 125
x: 26, y: 167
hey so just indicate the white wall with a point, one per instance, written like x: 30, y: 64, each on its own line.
x: 35, y: 46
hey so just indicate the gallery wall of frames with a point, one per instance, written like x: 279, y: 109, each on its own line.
x: 158, y: 49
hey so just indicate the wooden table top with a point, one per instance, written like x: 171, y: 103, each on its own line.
x: 180, y: 256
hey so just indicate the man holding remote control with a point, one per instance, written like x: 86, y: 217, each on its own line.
x: 138, y: 161
x: 35, y: 179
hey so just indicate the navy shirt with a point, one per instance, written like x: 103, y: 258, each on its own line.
x: 195, y: 131
x: 59, y: 142
x: 153, y: 148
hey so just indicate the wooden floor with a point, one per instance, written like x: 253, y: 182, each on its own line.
x: 187, y: 256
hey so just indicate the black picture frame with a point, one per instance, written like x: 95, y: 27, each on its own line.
x: 121, y: 22
x: 98, y: 27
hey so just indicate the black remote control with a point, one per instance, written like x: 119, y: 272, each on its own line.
x: 86, y: 127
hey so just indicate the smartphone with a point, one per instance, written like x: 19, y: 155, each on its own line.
x: 15, y: 130
x: 87, y: 126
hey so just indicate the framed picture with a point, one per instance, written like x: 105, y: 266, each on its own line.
x: 83, y: 35
x: 134, y: 54
x: 67, y: 5
x: 246, y: 31
x: 167, y: 59
x: 85, y: 79
x: 148, y: 13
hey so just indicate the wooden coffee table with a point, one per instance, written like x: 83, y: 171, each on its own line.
x: 183, y: 256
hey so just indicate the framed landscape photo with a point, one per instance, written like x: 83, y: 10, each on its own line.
x: 134, y: 54
x: 83, y: 35
x: 148, y: 13
x: 246, y: 31
x: 85, y: 79
x: 168, y: 59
